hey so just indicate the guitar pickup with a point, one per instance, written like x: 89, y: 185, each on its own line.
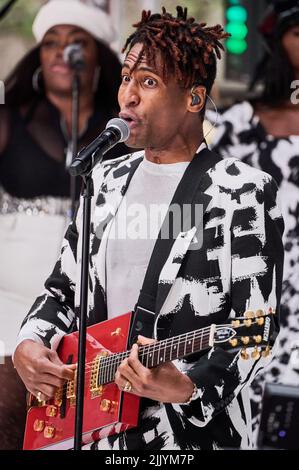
x: 96, y: 389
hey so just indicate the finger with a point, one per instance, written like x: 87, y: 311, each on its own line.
x: 53, y: 381
x: 135, y: 364
x: 65, y: 372
x: 143, y: 341
x: 47, y: 391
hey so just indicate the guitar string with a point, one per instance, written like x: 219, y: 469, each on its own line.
x: 161, y: 346
x: 117, y: 358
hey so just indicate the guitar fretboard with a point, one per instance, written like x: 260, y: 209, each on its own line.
x: 157, y: 353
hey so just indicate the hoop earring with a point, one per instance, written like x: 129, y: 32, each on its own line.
x: 96, y: 78
x: 36, y: 77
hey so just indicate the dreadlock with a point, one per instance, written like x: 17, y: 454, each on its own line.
x: 188, y: 49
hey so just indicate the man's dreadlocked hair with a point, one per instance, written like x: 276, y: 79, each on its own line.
x: 188, y: 49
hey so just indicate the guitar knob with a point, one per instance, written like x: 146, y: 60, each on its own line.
x: 49, y: 432
x: 51, y: 411
x: 248, y: 322
x: 236, y: 323
x: 105, y: 405
x: 38, y: 425
x: 233, y: 342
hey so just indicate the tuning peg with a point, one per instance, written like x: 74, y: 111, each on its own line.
x: 236, y: 323
x: 256, y: 353
x: 258, y: 339
x: 248, y: 322
x: 233, y: 342
x: 249, y: 314
x: 267, y: 352
x: 260, y: 321
x: 244, y: 354
x: 259, y: 313
x: 245, y: 339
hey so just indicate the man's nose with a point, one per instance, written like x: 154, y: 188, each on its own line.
x: 131, y: 96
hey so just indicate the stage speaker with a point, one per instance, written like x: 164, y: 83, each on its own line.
x: 279, y: 427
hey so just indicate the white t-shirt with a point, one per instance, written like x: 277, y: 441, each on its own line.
x: 135, y: 230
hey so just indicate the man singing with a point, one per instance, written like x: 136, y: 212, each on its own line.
x: 208, y: 275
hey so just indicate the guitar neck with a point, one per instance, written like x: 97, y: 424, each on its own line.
x: 159, y: 352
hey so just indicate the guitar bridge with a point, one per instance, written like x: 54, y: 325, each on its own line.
x: 96, y: 390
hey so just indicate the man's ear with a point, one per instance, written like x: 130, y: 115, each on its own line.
x: 197, y: 99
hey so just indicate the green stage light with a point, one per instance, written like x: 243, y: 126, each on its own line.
x: 237, y: 30
x: 237, y: 14
x: 236, y: 46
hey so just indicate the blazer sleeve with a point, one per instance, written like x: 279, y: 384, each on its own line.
x: 256, y: 279
x: 52, y: 314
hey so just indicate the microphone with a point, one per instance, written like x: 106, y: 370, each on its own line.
x: 73, y: 56
x: 117, y: 130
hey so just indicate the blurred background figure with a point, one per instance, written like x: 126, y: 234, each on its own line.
x: 264, y: 132
x: 35, y: 136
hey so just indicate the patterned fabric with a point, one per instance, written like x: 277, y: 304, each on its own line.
x: 238, y: 267
x: 242, y: 135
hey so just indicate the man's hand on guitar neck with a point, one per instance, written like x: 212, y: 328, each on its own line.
x: 41, y: 369
x: 164, y: 383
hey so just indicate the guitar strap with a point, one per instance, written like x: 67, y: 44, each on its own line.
x: 148, y: 304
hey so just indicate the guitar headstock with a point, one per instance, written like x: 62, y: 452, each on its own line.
x: 254, y: 329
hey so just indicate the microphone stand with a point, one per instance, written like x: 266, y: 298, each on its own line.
x: 75, y: 135
x: 5, y: 9
x: 88, y: 192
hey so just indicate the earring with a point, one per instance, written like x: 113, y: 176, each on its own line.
x: 36, y: 78
x: 195, y: 98
x: 96, y: 78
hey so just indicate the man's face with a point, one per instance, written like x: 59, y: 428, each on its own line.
x: 155, y: 111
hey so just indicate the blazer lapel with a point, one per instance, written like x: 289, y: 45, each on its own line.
x: 194, y: 197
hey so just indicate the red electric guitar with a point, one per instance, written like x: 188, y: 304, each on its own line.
x: 107, y: 410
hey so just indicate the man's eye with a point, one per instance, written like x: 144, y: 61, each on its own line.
x: 150, y: 82
x: 125, y: 78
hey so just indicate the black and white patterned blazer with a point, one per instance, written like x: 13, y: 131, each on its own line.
x: 238, y: 267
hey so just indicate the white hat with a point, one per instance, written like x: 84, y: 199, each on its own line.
x: 73, y: 12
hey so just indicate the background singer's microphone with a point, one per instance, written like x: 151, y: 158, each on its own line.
x: 74, y: 57
x: 117, y: 130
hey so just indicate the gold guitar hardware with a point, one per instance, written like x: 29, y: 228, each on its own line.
x: 245, y: 339
x: 51, y: 411
x: 258, y: 339
x: 259, y: 313
x: 249, y: 314
x: 266, y: 352
x: 256, y: 354
x: 248, y: 322
x: 233, y: 342
x: 105, y: 405
x: 260, y: 321
x: 244, y: 354
x: 39, y: 425
x: 236, y: 323
x: 117, y: 332
x: 49, y: 432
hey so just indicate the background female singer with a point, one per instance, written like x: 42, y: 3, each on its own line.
x: 35, y: 131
